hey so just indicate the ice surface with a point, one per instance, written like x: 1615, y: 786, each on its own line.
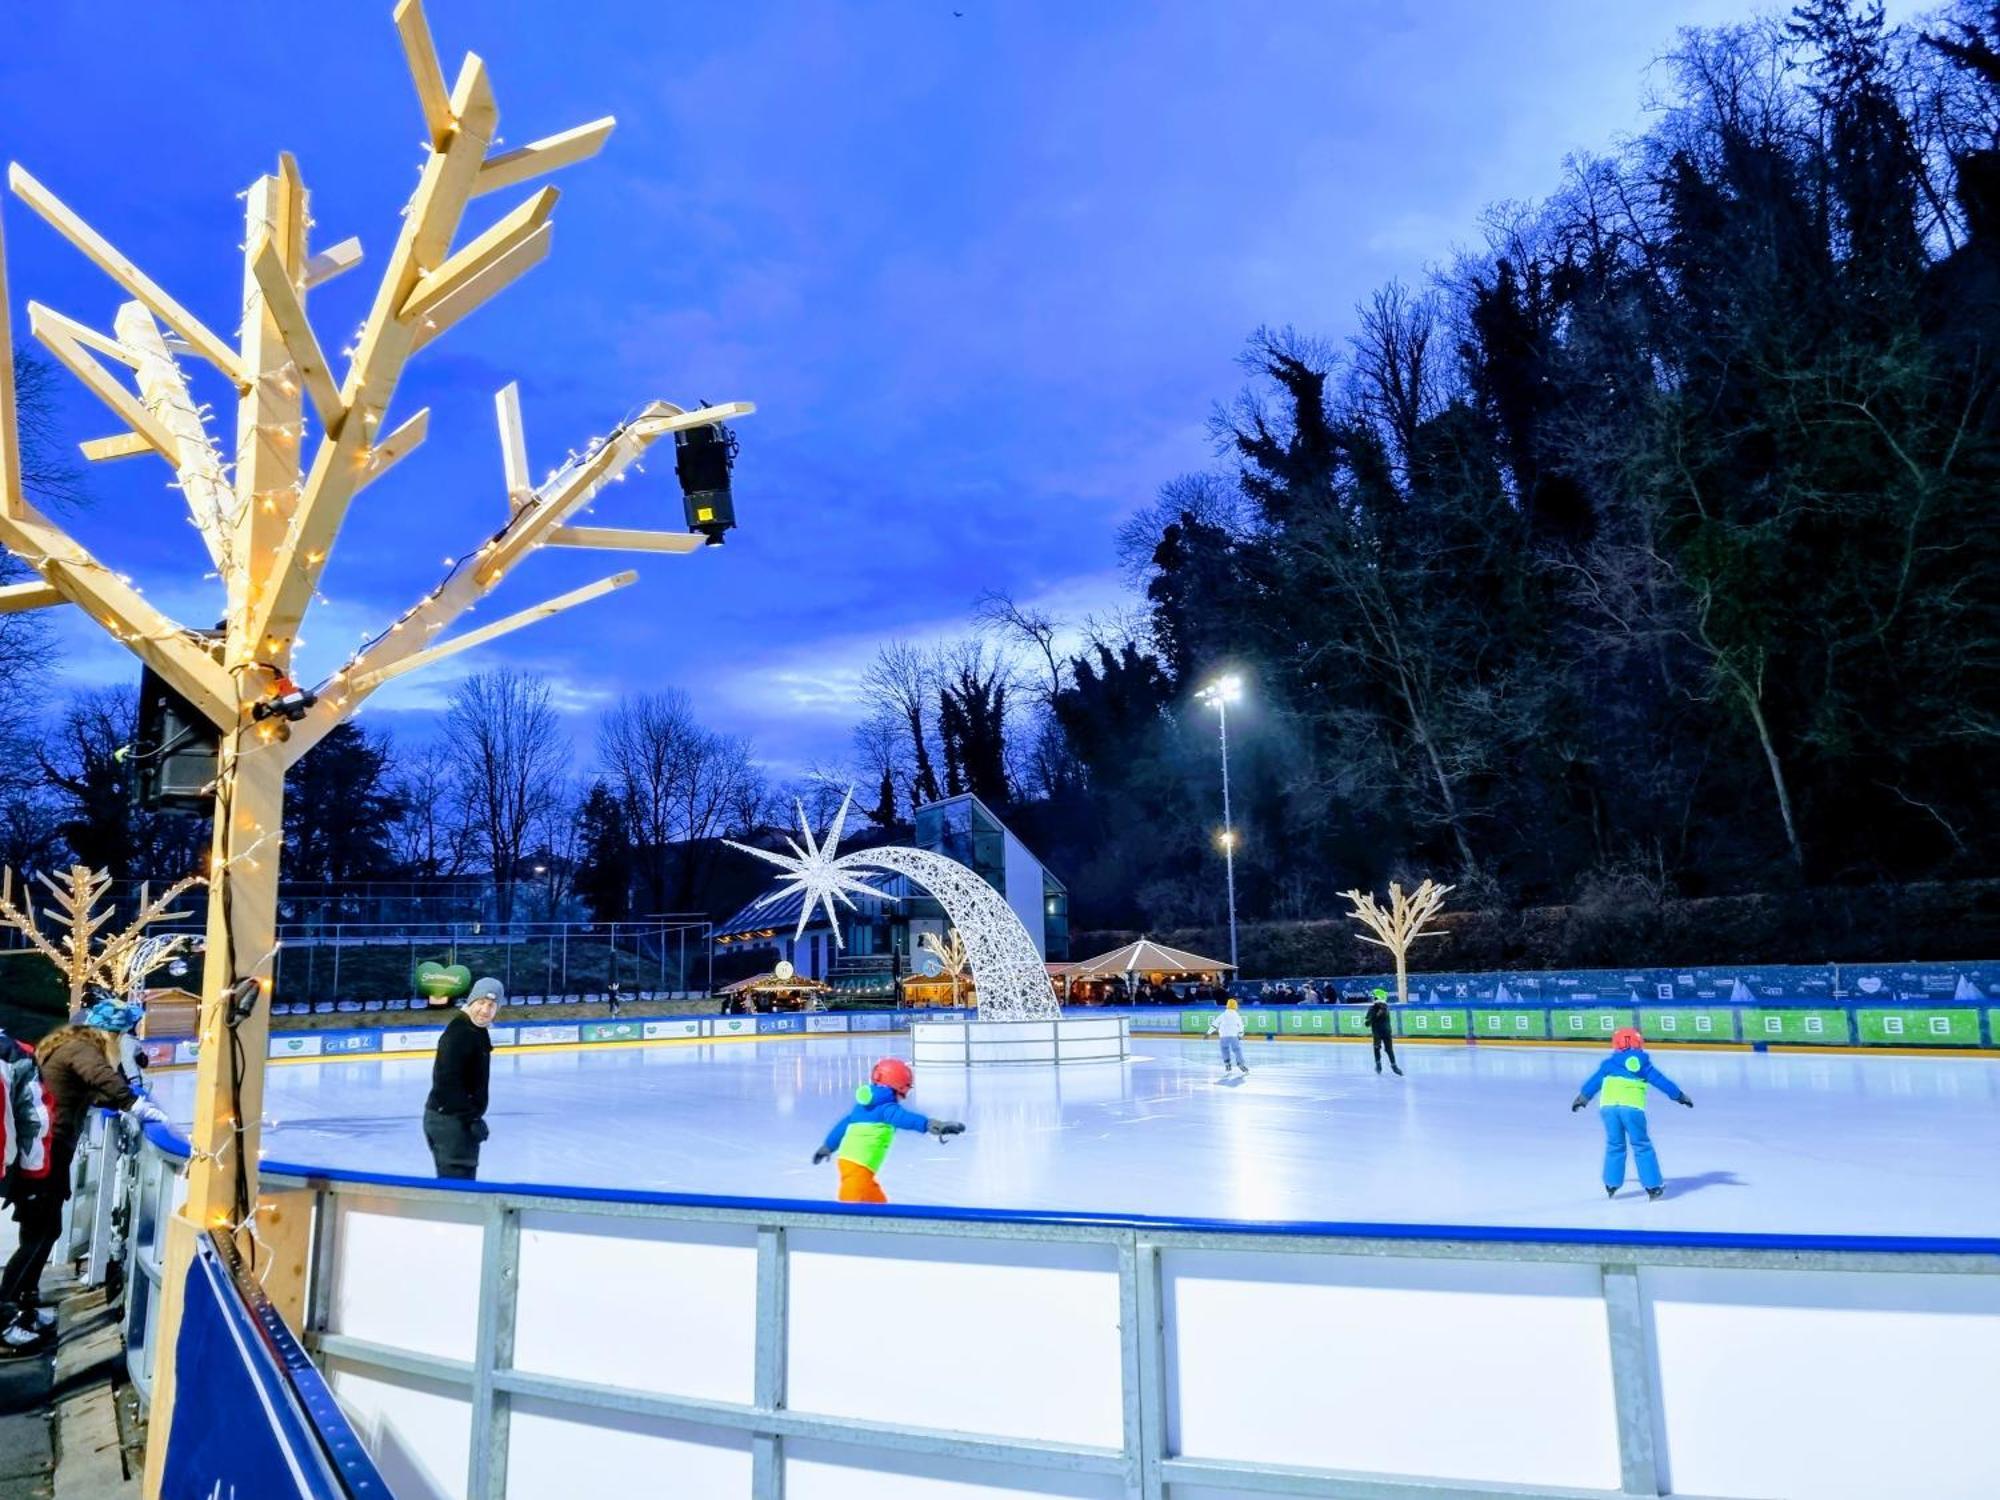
x: 1788, y: 1143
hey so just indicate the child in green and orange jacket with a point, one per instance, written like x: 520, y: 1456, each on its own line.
x: 861, y: 1137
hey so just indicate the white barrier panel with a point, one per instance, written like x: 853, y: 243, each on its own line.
x: 417, y: 1430
x: 826, y: 1023
x: 663, y: 1307
x: 835, y: 1471
x: 559, y: 1451
x: 410, y: 1041
x: 1747, y: 1357
x: 407, y: 1274
x: 1015, y: 1340
x: 295, y: 1046
x: 1072, y: 1039
x: 1523, y: 1346
x: 730, y: 1026
x: 656, y: 1030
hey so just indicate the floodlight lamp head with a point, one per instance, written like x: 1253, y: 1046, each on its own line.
x: 703, y: 458
x: 1225, y: 689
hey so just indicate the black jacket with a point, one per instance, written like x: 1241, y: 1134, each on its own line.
x: 1378, y: 1018
x: 459, y: 1076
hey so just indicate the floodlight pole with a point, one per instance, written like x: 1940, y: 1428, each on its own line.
x: 1219, y: 695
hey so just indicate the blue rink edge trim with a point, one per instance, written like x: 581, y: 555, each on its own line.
x: 175, y: 1145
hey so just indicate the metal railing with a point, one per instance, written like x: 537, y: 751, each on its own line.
x: 1152, y: 1360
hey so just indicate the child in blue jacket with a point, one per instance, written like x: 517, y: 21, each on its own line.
x: 1623, y: 1077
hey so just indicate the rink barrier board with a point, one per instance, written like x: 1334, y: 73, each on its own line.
x: 1921, y: 1029
x: 540, y: 1367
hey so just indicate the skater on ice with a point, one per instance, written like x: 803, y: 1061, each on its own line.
x: 1229, y: 1026
x: 455, y: 1113
x: 1380, y: 1033
x: 1623, y: 1077
x: 862, y: 1136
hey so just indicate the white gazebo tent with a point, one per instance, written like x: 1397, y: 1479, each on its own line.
x: 1145, y: 959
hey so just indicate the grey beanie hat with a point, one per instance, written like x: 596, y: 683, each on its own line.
x: 487, y: 989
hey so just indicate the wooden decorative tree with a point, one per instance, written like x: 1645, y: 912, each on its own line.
x: 1401, y: 925
x: 269, y: 514
x: 950, y: 953
x: 119, y: 962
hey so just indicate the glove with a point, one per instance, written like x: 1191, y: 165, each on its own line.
x: 821, y: 1155
x: 1577, y: 1103
x: 1685, y: 1100
x: 481, y: 1130
x: 146, y: 1112
x: 942, y: 1128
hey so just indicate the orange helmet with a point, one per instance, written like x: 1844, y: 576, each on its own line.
x: 895, y: 1073
x: 1627, y: 1039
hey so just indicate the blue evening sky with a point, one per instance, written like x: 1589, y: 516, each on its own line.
x: 985, y: 275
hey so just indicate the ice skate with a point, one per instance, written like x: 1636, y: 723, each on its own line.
x: 1611, y: 1192
x: 1658, y: 1192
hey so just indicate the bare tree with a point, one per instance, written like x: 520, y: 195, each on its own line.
x: 882, y: 754
x: 1034, y: 630
x: 432, y: 837
x: 508, y: 753
x: 1396, y: 372
x: 678, y: 784
x: 903, y: 681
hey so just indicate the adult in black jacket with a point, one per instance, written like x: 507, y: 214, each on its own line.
x: 455, y: 1112
x: 1379, y: 1030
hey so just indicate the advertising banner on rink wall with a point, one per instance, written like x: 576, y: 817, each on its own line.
x: 1969, y: 983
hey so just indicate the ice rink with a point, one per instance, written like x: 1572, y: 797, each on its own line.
x: 1788, y: 1143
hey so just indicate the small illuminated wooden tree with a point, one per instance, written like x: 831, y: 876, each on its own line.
x: 950, y: 953
x: 1401, y: 925
x: 268, y: 501
x: 118, y: 962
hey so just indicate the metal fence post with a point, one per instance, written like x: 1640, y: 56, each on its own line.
x: 767, y: 1454
x: 1631, y: 1381
x: 499, y: 1285
x: 1146, y: 1341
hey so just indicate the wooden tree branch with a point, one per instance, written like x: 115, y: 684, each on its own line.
x: 530, y: 526
x: 107, y: 259
x: 481, y: 289
x: 621, y: 539
x: 198, y: 466
x: 163, y: 644
x: 65, y: 340
x: 549, y: 154
x: 394, y: 448
x: 421, y: 53
x: 532, y: 615
x: 281, y: 300
x: 332, y: 262
x: 495, y: 244
x: 385, y: 345
x: 513, y: 445
x: 120, y: 445
x: 19, y: 598
x: 11, y: 496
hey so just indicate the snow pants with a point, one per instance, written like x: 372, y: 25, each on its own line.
x: 1624, y: 1125
x: 858, y: 1184
x: 1232, y: 1052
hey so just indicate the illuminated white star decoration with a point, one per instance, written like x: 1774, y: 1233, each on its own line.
x: 816, y: 873
x: 1007, y: 968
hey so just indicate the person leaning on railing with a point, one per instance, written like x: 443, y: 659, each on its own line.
x: 455, y: 1112
x: 79, y: 1067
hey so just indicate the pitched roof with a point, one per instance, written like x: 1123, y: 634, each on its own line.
x: 1146, y: 957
